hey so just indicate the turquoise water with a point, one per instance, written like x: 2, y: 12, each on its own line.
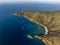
x: 13, y: 30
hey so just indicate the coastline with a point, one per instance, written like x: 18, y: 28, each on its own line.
x: 46, y: 30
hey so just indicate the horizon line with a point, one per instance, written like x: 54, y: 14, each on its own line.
x: 31, y: 1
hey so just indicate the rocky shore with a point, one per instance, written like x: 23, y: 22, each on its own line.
x: 49, y: 20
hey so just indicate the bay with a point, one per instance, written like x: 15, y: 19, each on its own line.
x: 13, y: 30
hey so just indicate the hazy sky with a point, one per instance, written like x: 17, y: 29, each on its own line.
x: 26, y: 1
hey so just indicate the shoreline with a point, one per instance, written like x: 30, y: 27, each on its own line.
x: 46, y: 30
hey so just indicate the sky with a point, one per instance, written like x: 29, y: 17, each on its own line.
x: 27, y: 1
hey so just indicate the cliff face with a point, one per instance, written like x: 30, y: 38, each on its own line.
x: 49, y: 20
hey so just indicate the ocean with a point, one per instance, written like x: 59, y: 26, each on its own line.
x: 13, y: 30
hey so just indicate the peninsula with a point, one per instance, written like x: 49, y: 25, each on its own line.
x: 49, y: 20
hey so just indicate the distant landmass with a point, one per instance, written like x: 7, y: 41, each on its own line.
x: 49, y: 20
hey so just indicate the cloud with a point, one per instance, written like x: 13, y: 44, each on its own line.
x: 27, y: 1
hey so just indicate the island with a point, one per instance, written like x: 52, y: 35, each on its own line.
x: 49, y: 20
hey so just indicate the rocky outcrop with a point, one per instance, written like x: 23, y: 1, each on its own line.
x: 49, y: 40
x: 49, y: 20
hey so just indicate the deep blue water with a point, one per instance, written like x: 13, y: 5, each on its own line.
x: 13, y: 30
